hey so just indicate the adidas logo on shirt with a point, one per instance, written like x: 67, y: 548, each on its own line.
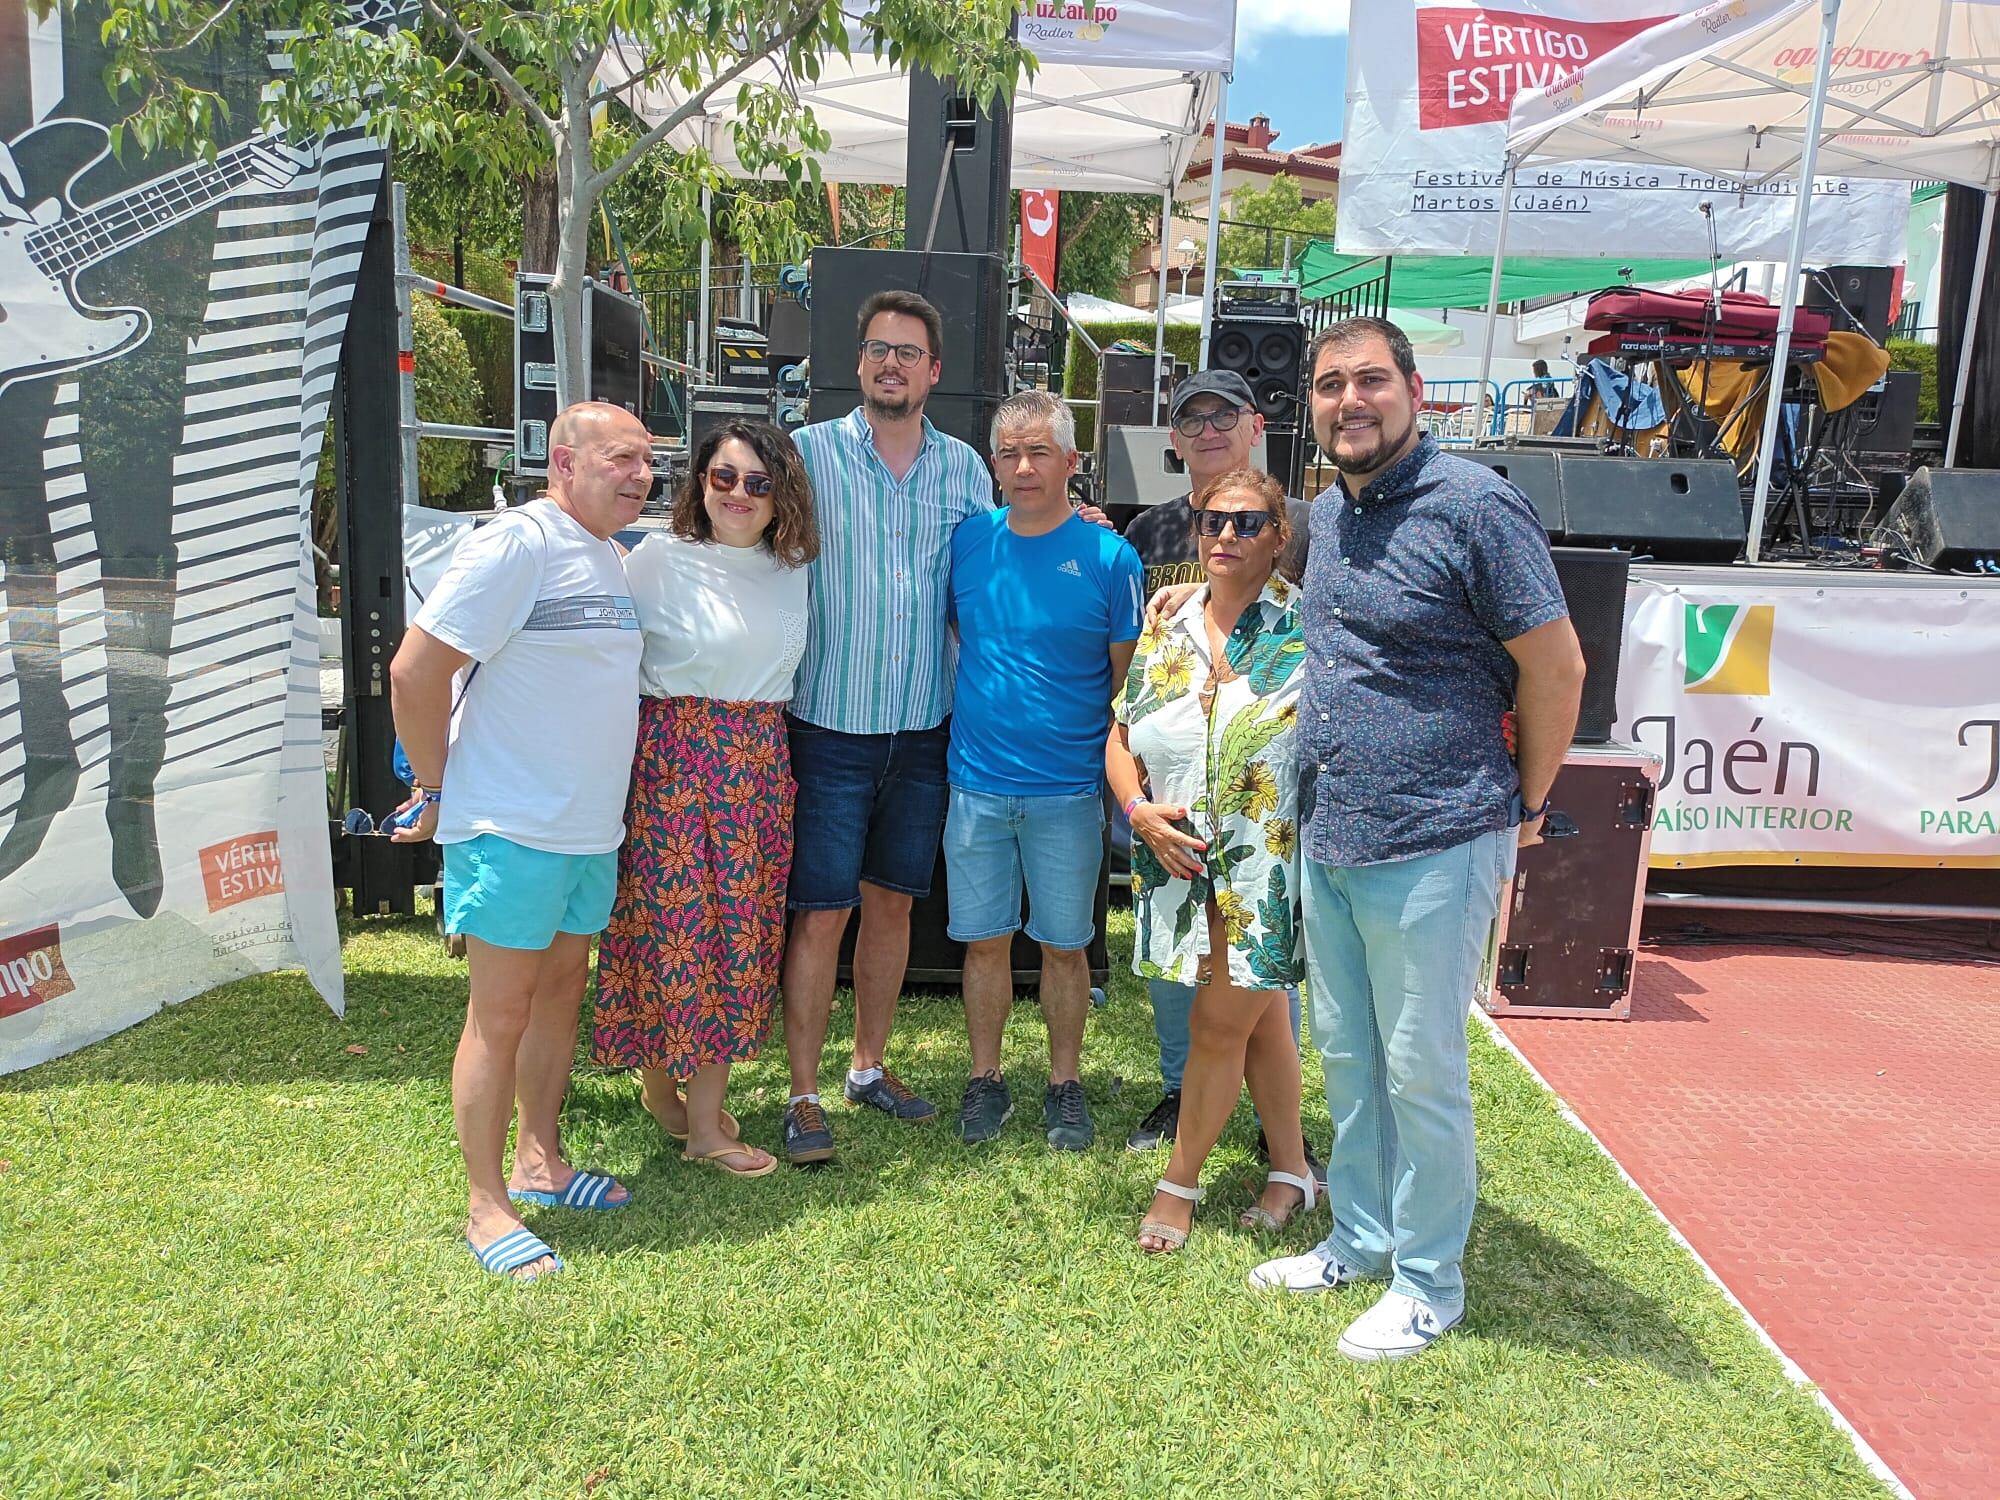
x: 1071, y: 568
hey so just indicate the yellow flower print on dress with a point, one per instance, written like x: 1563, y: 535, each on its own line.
x: 1255, y: 790
x: 1235, y: 912
x: 1281, y: 837
x: 1171, y: 672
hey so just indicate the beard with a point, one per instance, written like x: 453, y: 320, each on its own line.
x: 890, y: 404
x: 1376, y: 454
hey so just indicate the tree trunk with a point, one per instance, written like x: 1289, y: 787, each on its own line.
x: 1979, y: 438
x: 541, y: 219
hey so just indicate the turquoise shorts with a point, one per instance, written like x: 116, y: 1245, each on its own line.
x: 512, y: 896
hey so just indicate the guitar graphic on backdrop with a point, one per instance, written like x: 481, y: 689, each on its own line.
x: 47, y: 238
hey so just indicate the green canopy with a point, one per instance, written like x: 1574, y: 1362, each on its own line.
x: 1463, y: 280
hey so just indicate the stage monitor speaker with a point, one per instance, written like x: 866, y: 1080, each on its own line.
x: 1854, y: 294
x: 1948, y: 518
x: 969, y: 292
x: 948, y: 125
x: 1593, y: 585
x: 1885, y: 421
x: 1536, y: 475
x: 787, y: 331
x: 1664, y: 508
x: 614, y: 334
x: 1140, y: 468
x: 1266, y: 352
x: 1120, y: 371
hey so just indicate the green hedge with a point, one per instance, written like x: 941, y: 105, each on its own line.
x: 485, y: 274
x: 448, y: 390
x: 1080, y: 368
x: 489, y: 343
x: 1908, y: 354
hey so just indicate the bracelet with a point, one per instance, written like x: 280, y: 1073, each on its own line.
x: 1141, y: 797
x: 428, y: 793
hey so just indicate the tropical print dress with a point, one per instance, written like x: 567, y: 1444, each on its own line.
x: 1220, y: 740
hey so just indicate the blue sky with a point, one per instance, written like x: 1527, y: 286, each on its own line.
x: 1291, y: 63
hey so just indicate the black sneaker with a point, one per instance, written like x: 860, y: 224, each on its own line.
x: 1313, y: 1164
x: 808, y: 1138
x: 893, y: 1097
x: 1158, y: 1128
x: 1066, y: 1116
x: 987, y: 1106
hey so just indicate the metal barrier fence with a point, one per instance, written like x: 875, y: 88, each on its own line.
x: 1453, y: 411
x: 1533, y: 406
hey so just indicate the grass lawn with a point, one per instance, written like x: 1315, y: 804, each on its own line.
x: 230, y: 1247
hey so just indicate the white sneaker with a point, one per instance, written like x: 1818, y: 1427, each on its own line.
x: 1320, y: 1269
x: 1396, y: 1328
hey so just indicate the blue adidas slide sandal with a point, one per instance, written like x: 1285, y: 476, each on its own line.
x: 586, y: 1190
x: 506, y: 1255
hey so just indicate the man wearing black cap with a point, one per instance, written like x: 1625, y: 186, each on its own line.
x: 1214, y: 424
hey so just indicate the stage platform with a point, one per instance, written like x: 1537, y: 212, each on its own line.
x: 1812, y: 1106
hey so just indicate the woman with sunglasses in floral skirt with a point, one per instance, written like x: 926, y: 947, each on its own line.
x: 687, y: 971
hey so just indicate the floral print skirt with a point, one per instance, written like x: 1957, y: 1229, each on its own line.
x: 687, y: 972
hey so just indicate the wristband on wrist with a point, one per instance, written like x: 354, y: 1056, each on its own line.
x: 1141, y: 797
x: 1529, y: 814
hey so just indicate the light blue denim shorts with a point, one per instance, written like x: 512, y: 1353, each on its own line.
x: 994, y: 845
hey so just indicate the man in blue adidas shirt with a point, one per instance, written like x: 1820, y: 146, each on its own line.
x: 1048, y: 609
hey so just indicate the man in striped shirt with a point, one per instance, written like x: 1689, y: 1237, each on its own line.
x: 869, y: 717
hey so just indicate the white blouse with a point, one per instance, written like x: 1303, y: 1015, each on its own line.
x: 720, y: 622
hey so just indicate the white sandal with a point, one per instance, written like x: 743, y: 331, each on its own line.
x: 1259, y: 1217
x: 1174, y: 1237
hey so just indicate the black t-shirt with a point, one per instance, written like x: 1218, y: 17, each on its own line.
x: 1163, y: 536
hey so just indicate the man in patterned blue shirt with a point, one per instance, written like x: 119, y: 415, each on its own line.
x: 1431, y: 605
x: 868, y: 719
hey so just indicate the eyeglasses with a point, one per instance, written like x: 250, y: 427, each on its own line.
x: 1222, y: 421
x: 1248, y: 522
x: 722, y: 477
x: 877, y: 350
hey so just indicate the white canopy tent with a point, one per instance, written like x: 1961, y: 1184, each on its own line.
x: 1108, y: 126
x: 1779, y: 92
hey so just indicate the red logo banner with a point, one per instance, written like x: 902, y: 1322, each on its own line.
x: 1038, y: 233
x: 31, y: 970
x: 242, y: 869
x: 1473, y: 60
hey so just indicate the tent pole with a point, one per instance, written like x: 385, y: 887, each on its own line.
x: 1160, y: 366
x: 1493, y: 291
x: 1215, y: 155
x: 1788, y: 284
x: 698, y: 356
x: 1971, y: 335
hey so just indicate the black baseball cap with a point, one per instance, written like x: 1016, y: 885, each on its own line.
x: 1227, y: 384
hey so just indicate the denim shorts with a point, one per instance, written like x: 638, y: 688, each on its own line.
x: 993, y: 844
x: 512, y: 896
x: 870, y: 807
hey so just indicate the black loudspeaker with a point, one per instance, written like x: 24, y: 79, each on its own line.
x: 969, y: 292
x: 1267, y: 352
x: 1593, y: 585
x: 1663, y: 508
x: 1536, y: 475
x: 1948, y: 518
x: 1854, y: 294
x: 788, y: 331
x: 947, y: 125
x: 967, y: 418
x: 1885, y: 421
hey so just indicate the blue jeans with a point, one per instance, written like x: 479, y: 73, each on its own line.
x: 1392, y: 953
x: 869, y: 807
x: 1172, y: 1004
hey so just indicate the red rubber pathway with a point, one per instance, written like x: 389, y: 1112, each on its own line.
x: 1824, y: 1129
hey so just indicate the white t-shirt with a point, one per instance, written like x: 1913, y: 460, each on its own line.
x: 720, y: 622
x: 542, y: 740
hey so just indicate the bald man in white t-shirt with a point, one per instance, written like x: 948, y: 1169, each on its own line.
x: 516, y: 695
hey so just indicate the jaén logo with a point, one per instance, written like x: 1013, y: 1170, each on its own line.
x: 31, y: 970
x: 1726, y: 648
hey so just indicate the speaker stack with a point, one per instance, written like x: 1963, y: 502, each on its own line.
x: 614, y: 338
x: 1258, y: 332
x: 1658, y: 508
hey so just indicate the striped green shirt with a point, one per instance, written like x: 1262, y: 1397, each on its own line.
x: 877, y: 655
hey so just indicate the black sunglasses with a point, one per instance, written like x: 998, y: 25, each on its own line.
x: 1248, y: 522
x: 725, y: 479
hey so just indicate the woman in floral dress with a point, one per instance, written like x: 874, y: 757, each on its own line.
x: 687, y: 972
x: 1202, y: 756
